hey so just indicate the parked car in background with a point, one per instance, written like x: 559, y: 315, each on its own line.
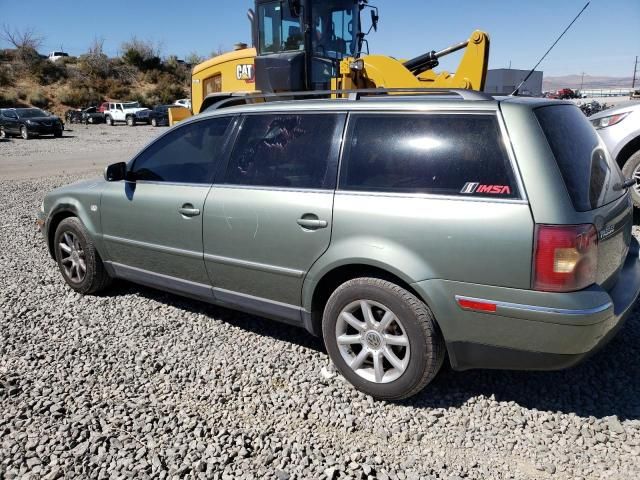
x: 619, y: 128
x: 92, y: 115
x: 124, y: 112
x: 635, y: 95
x: 184, y: 102
x: 28, y: 123
x: 55, y: 56
x: 73, y: 115
x: 398, y: 229
x: 159, y: 115
x: 566, y: 93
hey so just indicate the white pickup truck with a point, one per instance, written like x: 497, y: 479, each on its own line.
x: 122, y: 112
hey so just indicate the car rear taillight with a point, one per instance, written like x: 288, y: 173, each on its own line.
x: 565, y: 257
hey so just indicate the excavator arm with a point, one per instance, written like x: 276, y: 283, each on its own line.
x: 379, y: 71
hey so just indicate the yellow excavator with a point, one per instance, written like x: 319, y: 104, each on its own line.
x: 319, y: 45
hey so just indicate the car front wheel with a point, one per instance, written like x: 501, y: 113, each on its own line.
x: 382, y: 338
x: 631, y: 169
x: 24, y: 133
x: 78, y: 259
x: 3, y: 134
x: 154, y: 122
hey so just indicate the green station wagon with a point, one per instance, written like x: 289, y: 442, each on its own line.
x: 399, y: 228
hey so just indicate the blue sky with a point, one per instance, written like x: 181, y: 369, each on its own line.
x: 604, y: 41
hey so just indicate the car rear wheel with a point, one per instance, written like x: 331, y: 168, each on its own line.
x: 154, y: 122
x: 78, y: 259
x: 3, y: 134
x: 382, y: 338
x: 57, y: 133
x: 631, y: 169
x: 131, y: 121
x: 24, y: 133
x: 108, y: 120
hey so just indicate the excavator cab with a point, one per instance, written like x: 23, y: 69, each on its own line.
x: 300, y: 43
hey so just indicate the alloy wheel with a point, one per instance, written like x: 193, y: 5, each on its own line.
x: 72, y: 257
x: 636, y: 177
x: 372, y: 341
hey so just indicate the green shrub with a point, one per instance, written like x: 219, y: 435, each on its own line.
x: 79, y: 97
x: 8, y: 99
x: 38, y: 99
x: 7, y: 76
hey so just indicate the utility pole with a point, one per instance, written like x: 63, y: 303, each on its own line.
x: 635, y: 69
x: 582, y: 81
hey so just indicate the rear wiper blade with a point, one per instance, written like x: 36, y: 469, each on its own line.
x: 630, y: 182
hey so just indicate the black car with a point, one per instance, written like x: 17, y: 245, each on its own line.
x: 28, y: 122
x: 159, y: 115
x: 73, y: 115
x: 92, y: 115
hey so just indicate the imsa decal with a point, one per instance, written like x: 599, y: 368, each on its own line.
x: 474, y: 187
x: 245, y: 72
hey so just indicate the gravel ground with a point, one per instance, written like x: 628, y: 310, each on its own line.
x: 137, y: 383
x: 82, y: 149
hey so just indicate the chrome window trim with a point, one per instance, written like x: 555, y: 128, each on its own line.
x: 536, y: 308
x: 274, y: 189
x: 433, y: 196
x: 503, y: 134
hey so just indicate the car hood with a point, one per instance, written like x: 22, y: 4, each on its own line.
x: 92, y: 184
x: 41, y: 119
x: 135, y: 110
x: 620, y: 108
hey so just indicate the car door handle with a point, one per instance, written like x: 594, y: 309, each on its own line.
x: 312, y: 223
x: 189, y: 211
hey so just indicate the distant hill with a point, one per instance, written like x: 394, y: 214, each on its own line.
x: 590, y: 81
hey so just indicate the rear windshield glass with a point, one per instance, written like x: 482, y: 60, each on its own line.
x: 445, y: 154
x: 587, y: 168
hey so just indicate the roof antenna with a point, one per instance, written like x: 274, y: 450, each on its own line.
x: 515, y: 92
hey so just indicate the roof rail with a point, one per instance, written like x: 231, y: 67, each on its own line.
x: 351, y: 95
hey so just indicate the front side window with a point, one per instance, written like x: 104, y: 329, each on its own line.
x: 188, y: 154
x: 279, y: 30
x: 286, y: 150
x: 446, y: 154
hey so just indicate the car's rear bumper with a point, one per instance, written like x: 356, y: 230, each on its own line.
x: 531, y: 330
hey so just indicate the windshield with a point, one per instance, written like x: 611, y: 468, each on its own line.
x: 131, y: 105
x: 279, y: 30
x: 30, y: 112
x: 335, y: 24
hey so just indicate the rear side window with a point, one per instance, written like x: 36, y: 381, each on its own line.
x: 286, y: 150
x: 188, y: 154
x: 446, y: 154
x: 585, y: 165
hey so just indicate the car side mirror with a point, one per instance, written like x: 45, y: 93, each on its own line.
x: 115, y: 172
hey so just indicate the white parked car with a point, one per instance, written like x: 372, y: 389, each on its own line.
x: 123, y: 112
x: 183, y: 102
x: 55, y: 56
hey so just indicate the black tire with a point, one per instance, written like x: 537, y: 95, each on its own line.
x: 631, y: 169
x: 109, y: 121
x: 24, y: 133
x: 154, y: 122
x: 131, y: 121
x: 427, y: 350
x: 95, y: 277
x: 3, y: 134
x: 57, y: 133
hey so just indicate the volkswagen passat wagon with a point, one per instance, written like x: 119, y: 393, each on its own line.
x: 400, y: 229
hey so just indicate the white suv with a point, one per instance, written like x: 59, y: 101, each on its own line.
x: 122, y: 112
